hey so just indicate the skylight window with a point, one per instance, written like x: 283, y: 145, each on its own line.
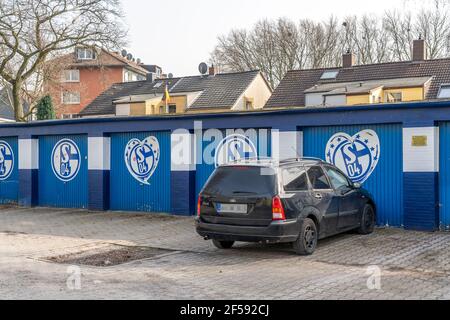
x: 330, y: 74
x: 444, y: 91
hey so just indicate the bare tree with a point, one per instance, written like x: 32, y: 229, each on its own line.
x: 31, y: 31
x: 276, y: 46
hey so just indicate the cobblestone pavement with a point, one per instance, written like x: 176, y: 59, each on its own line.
x: 413, y: 265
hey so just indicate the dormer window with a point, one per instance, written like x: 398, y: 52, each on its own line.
x: 329, y: 75
x: 85, y: 54
x: 444, y: 91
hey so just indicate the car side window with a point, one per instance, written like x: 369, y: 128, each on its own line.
x: 338, y: 180
x: 318, y: 178
x: 294, y: 179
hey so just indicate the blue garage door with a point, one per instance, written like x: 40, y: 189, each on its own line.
x: 9, y: 173
x: 444, y: 175
x: 219, y: 146
x: 369, y: 154
x: 63, y: 171
x: 140, y: 171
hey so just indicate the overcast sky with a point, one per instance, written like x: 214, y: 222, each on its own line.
x: 179, y: 34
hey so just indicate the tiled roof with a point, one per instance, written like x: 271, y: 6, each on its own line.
x: 219, y: 91
x: 103, y: 104
x: 104, y: 59
x: 290, y: 91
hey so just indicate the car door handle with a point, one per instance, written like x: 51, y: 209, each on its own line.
x: 318, y: 196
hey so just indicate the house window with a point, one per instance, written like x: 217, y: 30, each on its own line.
x: 172, y: 108
x: 248, y: 105
x: 129, y: 76
x: 85, y: 53
x: 330, y: 74
x: 161, y: 109
x: 393, y: 97
x: 71, y: 75
x: 444, y: 91
x: 70, y: 97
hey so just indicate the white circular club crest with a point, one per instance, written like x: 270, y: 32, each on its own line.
x: 142, y: 158
x: 234, y: 147
x: 66, y: 160
x: 356, y: 156
x: 6, y: 160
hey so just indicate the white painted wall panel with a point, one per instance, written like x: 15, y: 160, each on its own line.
x: 421, y: 158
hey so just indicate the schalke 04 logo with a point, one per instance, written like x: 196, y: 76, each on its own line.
x: 234, y: 147
x: 142, y: 157
x: 6, y: 160
x: 66, y: 159
x: 357, y: 156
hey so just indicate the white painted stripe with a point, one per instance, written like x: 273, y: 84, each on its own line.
x: 183, y: 150
x: 286, y: 144
x: 99, y: 153
x: 28, y: 154
x: 421, y: 158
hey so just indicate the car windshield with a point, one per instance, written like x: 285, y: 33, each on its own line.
x: 241, y: 180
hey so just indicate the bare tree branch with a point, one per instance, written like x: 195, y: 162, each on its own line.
x: 32, y: 31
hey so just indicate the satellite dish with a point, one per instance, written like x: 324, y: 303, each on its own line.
x: 138, y: 61
x: 124, y: 53
x: 129, y: 56
x: 203, y: 68
x: 170, y: 75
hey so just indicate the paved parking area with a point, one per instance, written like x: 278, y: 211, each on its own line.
x: 389, y: 264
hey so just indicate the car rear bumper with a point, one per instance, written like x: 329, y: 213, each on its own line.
x: 277, y: 231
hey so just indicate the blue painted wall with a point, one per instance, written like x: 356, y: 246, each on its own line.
x: 386, y: 181
x: 9, y: 187
x: 127, y: 193
x: 421, y: 205
x: 415, y: 114
x: 53, y: 192
x: 444, y: 175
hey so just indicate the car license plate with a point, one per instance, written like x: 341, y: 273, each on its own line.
x: 231, y: 208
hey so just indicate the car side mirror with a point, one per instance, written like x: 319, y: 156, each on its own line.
x: 357, y: 185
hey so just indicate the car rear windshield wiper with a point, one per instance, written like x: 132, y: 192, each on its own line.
x: 247, y: 192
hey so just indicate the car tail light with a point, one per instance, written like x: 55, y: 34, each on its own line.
x: 199, y: 204
x: 277, y: 209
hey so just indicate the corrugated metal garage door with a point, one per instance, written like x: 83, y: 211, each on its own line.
x: 140, y: 171
x: 9, y: 173
x: 63, y: 171
x: 444, y: 175
x: 374, y: 158
x: 234, y: 143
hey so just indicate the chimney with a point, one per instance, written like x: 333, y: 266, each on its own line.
x: 348, y: 59
x: 419, y: 52
x: 212, y: 70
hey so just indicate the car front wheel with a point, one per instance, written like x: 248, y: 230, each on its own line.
x: 307, y: 241
x: 367, y: 220
x: 223, y: 244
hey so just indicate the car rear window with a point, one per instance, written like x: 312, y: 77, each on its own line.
x: 294, y: 179
x: 318, y: 179
x: 242, y: 180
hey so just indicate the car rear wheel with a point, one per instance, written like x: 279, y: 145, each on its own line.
x: 367, y: 220
x: 223, y: 244
x: 307, y: 240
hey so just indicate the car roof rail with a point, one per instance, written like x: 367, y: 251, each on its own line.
x: 297, y: 159
x: 253, y: 159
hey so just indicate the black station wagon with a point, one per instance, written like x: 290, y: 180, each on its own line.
x: 296, y: 200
